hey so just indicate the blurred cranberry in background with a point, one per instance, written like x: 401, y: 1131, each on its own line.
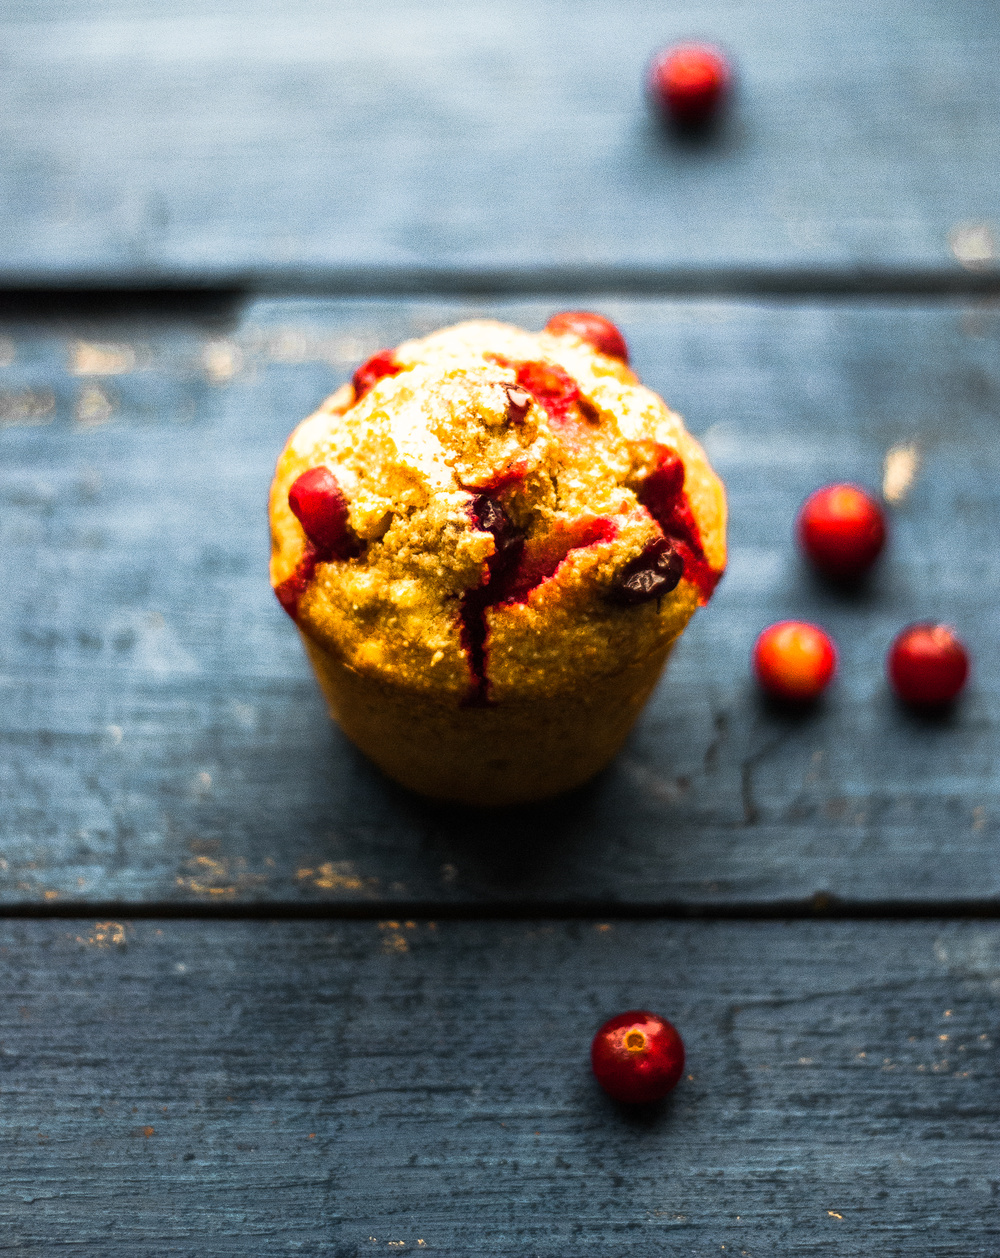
x: 842, y: 530
x: 689, y: 82
x: 794, y: 660
x: 928, y: 665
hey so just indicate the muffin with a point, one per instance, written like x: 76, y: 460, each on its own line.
x: 490, y: 540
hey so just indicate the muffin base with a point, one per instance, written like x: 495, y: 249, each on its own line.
x: 511, y: 753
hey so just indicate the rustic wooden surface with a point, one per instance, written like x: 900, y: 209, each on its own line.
x: 253, y: 1087
x: 344, y: 1089
x: 163, y: 740
x: 452, y: 146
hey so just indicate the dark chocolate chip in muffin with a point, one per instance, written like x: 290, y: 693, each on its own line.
x: 650, y: 575
x: 519, y: 402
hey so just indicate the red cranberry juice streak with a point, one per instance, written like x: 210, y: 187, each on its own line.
x: 553, y: 388
x: 556, y: 391
x: 489, y: 516
x: 541, y: 560
x: 662, y: 494
x: 499, y: 482
x: 512, y: 572
x: 292, y: 588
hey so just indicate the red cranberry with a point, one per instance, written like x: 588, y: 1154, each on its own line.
x: 928, y: 665
x: 842, y: 530
x: 319, y: 504
x: 650, y: 575
x: 689, y: 81
x: 597, y: 331
x: 375, y: 369
x: 794, y: 660
x: 637, y: 1057
x: 552, y: 387
x: 547, y: 382
x: 662, y: 494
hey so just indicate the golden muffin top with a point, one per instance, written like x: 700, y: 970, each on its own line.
x: 488, y: 514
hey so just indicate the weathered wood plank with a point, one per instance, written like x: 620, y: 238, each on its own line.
x: 417, y: 144
x: 161, y: 736
x: 229, y: 1089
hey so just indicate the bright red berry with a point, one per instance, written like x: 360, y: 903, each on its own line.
x: 794, y: 660
x: 689, y: 81
x: 319, y: 504
x: 928, y: 665
x: 375, y: 369
x: 637, y: 1057
x: 842, y: 530
x: 592, y: 328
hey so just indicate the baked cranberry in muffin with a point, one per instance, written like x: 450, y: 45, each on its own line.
x: 592, y: 328
x: 842, y: 530
x: 321, y: 508
x: 371, y: 372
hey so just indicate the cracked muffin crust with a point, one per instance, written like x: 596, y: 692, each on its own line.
x: 489, y: 541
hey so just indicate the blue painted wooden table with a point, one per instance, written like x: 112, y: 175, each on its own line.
x: 262, y: 1001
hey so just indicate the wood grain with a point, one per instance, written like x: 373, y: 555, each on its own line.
x: 222, y: 1089
x: 163, y: 740
x: 446, y: 145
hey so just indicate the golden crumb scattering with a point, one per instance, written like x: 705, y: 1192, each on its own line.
x: 902, y: 463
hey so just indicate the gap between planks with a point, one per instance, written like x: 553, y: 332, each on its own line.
x: 821, y: 907
x: 221, y: 294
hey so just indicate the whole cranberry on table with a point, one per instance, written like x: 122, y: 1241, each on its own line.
x: 794, y: 660
x: 842, y: 530
x: 689, y: 81
x: 637, y: 1057
x: 928, y: 665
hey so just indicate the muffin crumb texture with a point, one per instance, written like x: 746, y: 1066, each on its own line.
x: 482, y: 532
